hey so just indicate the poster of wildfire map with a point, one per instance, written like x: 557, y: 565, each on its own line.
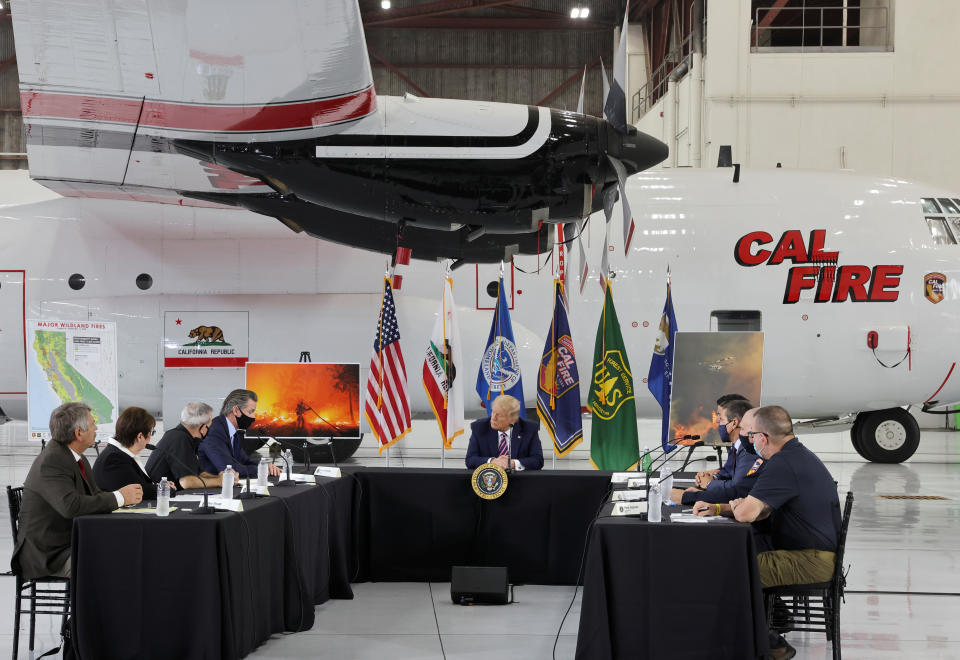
x: 71, y: 361
x: 305, y: 400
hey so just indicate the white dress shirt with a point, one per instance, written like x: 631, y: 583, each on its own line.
x: 509, y: 432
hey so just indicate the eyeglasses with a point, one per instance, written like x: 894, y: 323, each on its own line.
x: 750, y: 434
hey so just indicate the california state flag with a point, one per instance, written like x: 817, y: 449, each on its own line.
x: 440, y: 379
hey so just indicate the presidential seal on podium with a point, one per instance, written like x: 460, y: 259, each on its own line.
x: 489, y: 481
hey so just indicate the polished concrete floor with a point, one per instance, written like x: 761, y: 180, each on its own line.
x: 903, y: 598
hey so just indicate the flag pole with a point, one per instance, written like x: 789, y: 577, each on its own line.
x: 445, y: 267
x: 386, y: 276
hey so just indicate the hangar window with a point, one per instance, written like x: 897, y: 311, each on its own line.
x: 948, y: 206
x: 735, y: 320
x: 824, y: 25
x: 938, y: 230
x: 77, y: 281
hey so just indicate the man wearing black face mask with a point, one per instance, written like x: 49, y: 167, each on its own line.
x: 176, y: 454
x: 222, y: 446
x: 744, y: 467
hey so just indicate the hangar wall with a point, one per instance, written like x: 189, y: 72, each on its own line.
x: 888, y: 112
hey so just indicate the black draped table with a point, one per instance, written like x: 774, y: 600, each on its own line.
x: 414, y: 524
x: 212, y: 586
x: 671, y: 590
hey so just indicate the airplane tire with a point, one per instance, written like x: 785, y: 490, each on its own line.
x: 886, y: 436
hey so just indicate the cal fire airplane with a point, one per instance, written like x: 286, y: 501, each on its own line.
x: 203, y: 127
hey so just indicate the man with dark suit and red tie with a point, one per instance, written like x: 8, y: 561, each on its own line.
x: 505, y: 439
x: 58, y: 488
x: 223, y: 444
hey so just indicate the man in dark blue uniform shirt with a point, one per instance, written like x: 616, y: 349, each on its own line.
x: 222, y: 446
x: 797, y: 493
x: 745, y: 466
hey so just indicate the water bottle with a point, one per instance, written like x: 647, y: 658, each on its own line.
x: 263, y: 473
x: 288, y: 459
x: 653, y: 504
x: 646, y: 462
x: 163, y: 498
x: 227, y: 492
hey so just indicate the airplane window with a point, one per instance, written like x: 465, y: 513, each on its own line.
x: 948, y: 205
x: 930, y: 205
x: 938, y: 229
x: 144, y: 281
x: 76, y: 281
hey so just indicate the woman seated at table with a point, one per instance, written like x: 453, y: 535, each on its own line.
x: 117, y: 465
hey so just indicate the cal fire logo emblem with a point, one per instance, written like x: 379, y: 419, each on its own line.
x: 933, y: 286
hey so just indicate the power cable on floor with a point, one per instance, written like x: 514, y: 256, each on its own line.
x: 436, y: 620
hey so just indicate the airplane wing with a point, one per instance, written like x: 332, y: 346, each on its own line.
x: 107, y: 87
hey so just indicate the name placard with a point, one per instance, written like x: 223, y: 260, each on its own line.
x: 642, y: 482
x: 629, y: 508
x: 628, y: 495
x: 622, y: 477
x: 327, y: 471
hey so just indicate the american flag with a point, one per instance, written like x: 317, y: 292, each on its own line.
x: 387, y: 406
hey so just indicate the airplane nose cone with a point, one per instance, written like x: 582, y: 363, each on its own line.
x: 637, y: 151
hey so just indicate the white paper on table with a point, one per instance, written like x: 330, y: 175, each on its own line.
x: 187, y: 498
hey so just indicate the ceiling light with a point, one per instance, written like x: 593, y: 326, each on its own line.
x: 385, y: 4
x: 584, y: 12
x: 575, y: 12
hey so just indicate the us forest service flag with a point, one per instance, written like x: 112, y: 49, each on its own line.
x: 660, y: 377
x: 613, y: 441
x: 558, y: 384
x: 500, y: 365
x: 444, y: 389
x: 387, y: 403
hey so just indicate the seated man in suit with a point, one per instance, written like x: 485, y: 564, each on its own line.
x: 58, y: 488
x: 176, y: 454
x: 504, y: 438
x: 735, y: 416
x: 223, y: 446
x: 726, y: 435
x: 118, y: 462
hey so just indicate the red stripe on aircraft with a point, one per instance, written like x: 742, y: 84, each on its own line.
x: 952, y: 366
x: 165, y: 114
x: 204, y: 362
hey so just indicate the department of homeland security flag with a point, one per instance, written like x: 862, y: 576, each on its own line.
x: 387, y: 404
x: 614, y: 440
x: 660, y: 377
x: 558, y: 385
x: 500, y: 365
x: 444, y: 389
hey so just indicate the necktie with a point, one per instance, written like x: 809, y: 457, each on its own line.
x: 83, y: 470
x: 733, y: 463
x: 503, y: 443
x: 236, y: 443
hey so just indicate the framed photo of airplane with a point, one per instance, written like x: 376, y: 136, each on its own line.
x: 707, y: 365
x: 305, y: 400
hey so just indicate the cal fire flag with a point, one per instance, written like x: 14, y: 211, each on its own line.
x: 558, y: 385
x: 387, y: 405
x: 444, y: 389
x: 660, y: 377
x: 613, y: 439
x: 500, y: 365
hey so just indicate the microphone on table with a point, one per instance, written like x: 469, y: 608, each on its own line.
x: 204, y: 507
x: 668, y: 455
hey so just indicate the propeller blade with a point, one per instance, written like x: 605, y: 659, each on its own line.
x: 583, y: 83
x: 584, y: 266
x: 609, y: 199
x: 615, y: 105
x: 628, y: 225
x: 606, y: 88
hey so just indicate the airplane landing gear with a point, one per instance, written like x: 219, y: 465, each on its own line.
x: 885, y: 436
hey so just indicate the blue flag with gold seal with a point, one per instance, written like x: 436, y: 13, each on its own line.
x: 660, y: 376
x: 558, y: 384
x: 500, y: 365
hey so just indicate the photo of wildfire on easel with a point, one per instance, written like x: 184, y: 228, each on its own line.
x: 305, y: 400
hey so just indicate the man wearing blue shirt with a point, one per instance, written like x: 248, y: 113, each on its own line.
x: 223, y: 444
x: 798, y: 495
